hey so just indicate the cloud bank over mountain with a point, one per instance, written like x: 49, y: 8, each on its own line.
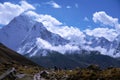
x: 109, y: 34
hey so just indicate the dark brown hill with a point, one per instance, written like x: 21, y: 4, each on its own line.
x: 10, y: 58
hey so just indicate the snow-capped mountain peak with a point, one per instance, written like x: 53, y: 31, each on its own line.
x: 22, y: 33
x: 13, y: 33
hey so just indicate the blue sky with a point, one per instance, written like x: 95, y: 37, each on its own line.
x: 76, y: 13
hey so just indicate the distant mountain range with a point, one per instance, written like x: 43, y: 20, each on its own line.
x: 69, y: 61
x: 31, y: 39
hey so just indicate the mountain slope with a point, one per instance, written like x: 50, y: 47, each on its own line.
x: 9, y: 59
x: 12, y: 34
x: 73, y: 60
x: 9, y: 56
x: 94, y: 57
x: 57, y: 59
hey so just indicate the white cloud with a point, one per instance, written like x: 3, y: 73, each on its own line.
x: 109, y: 34
x: 106, y: 19
x: 61, y: 48
x: 98, y: 48
x: 47, y: 20
x: 32, y: 14
x: 25, y: 6
x: 54, y: 4
x: 68, y: 6
x: 8, y: 10
x: 101, y: 50
x: 55, y: 26
x: 71, y: 33
x: 43, y: 44
x: 86, y: 19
